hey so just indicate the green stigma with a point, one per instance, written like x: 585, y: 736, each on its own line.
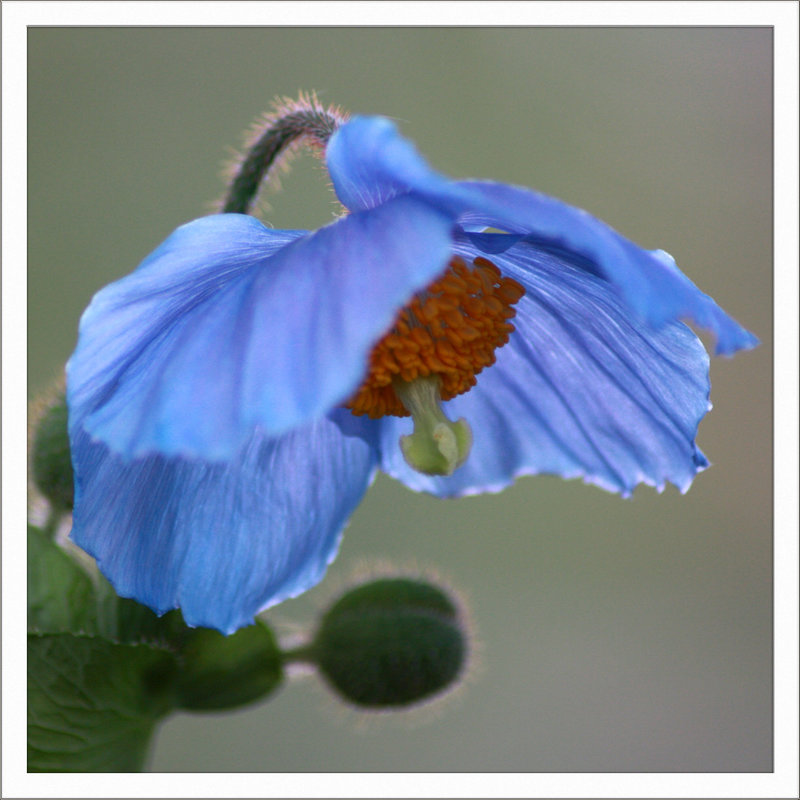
x: 437, y: 446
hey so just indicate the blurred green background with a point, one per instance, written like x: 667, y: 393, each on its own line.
x: 613, y: 635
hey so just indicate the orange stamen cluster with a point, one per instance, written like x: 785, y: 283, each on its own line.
x: 451, y: 330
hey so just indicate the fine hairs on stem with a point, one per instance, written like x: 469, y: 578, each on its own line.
x: 290, y: 124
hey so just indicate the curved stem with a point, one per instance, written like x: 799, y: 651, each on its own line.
x: 292, y: 122
x: 52, y: 522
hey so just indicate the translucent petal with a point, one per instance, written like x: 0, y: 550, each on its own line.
x: 648, y: 280
x: 229, y: 325
x: 370, y: 162
x: 221, y: 541
x: 583, y: 388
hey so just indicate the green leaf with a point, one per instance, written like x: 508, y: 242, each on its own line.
x: 129, y: 622
x: 61, y: 596
x: 64, y: 596
x: 138, y: 623
x: 207, y: 671
x: 228, y: 671
x: 92, y: 703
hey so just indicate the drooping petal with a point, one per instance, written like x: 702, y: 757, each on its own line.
x: 370, y: 162
x: 113, y: 375
x: 583, y: 388
x: 221, y: 541
x: 229, y: 325
x: 648, y: 280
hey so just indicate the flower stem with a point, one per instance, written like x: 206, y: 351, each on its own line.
x: 292, y: 122
x: 52, y: 522
x: 303, y: 653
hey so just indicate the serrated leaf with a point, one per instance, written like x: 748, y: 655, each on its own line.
x: 93, y: 703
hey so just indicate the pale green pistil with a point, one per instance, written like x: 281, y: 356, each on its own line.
x: 437, y: 446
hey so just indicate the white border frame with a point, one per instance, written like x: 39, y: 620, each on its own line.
x: 783, y: 17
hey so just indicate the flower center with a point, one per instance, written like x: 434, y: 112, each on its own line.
x: 437, y: 345
x: 450, y: 330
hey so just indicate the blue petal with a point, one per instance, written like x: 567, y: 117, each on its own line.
x: 583, y: 388
x: 492, y: 243
x: 229, y: 325
x: 370, y: 162
x: 221, y: 542
x: 648, y: 280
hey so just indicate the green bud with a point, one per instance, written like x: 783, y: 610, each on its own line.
x: 390, y: 643
x: 228, y: 671
x: 51, y: 467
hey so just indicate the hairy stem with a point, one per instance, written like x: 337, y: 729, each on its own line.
x: 304, y: 119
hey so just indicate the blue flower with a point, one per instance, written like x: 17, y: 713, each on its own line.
x: 226, y: 398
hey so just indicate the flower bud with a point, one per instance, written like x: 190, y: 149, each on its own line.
x: 390, y: 643
x: 51, y: 467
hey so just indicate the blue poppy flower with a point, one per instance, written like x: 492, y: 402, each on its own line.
x: 231, y: 399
